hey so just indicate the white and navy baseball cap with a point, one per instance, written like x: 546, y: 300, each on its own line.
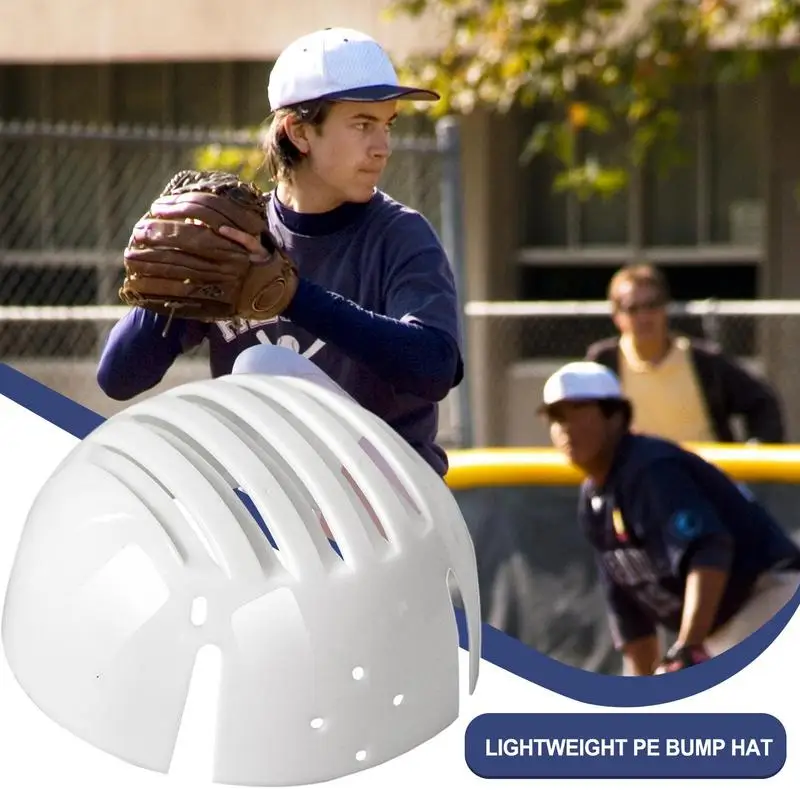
x: 337, y: 64
x: 581, y: 381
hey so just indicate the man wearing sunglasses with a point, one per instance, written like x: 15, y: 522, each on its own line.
x: 683, y: 389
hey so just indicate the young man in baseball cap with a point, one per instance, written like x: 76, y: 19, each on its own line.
x: 376, y: 308
x: 679, y: 545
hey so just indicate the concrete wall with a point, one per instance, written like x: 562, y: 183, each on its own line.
x: 43, y: 31
x: 53, y: 31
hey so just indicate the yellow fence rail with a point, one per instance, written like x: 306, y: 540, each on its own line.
x: 511, y: 466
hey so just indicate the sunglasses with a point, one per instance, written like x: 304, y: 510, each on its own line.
x: 645, y: 305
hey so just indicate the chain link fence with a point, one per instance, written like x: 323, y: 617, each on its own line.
x: 70, y: 195
x: 523, y: 342
x: 563, y: 330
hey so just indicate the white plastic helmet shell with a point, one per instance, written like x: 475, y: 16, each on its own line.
x: 145, y: 519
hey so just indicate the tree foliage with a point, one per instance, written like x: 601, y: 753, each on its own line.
x: 601, y: 68
x: 246, y: 161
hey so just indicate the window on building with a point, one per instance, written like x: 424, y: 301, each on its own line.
x: 24, y: 91
x: 202, y: 94
x: 604, y: 220
x: 712, y: 197
x: 250, y: 107
x: 736, y: 149
x: 556, y: 219
x: 670, y: 196
x: 140, y: 94
x: 77, y: 93
x: 543, y: 212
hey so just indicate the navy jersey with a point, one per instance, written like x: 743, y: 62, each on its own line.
x: 662, y: 511
x: 381, y: 255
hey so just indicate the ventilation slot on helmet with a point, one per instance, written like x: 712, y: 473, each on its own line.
x: 205, y: 461
x: 239, y: 499
x: 302, y: 495
x: 195, y: 741
x: 366, y: 511
x: 140, y: 467
x: 126, y: 470
x: 316, y: 405
x: 383, y: 465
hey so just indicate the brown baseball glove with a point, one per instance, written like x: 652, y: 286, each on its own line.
x: 178, y: 263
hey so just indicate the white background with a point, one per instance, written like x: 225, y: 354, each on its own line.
x: 37, y: 757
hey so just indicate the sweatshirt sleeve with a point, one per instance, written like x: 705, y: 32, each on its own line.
x: 414, y: 358
x: 137, y: 355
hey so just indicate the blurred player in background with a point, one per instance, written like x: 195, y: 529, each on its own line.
x: 678, y: 544
x: 376, y: 308
x: 683, y: 389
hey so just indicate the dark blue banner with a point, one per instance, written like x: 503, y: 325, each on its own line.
x: 625, y: 746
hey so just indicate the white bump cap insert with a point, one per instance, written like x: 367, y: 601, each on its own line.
x: 145, y: 516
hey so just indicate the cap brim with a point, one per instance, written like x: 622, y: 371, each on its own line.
x: 377, y: 94
x: 581, y: 399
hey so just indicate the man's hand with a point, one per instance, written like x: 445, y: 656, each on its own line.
x: 258, y: 253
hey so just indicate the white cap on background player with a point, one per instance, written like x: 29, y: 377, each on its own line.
x: 581, y: 380
x: 337, y: 64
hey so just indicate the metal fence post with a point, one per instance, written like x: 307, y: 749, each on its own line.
x: 448, y: 140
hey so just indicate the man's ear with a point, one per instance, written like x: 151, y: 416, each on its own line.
x: 297, y: 132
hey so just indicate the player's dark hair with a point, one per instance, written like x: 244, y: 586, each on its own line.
x: 610, y: 407
x: 281, y: 155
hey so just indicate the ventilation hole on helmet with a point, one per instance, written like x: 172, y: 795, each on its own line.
x: 199, y: 613
x: 108, y: 459
x: 335, y: 548
x: 326, y: 529
x: 131, y: 460
x: 388, y: 472
x: 298, y: 494
x: 398, y: 698
x: 358, y: 673
x: 254, y: 513
x: 182, y: 440
x: 200, y: 533
x: 196, y: 735
x: 363, y: 507
x: 194, y: 451
x: 366, y: 505
x: 361, y: 755
x: 317, y: 723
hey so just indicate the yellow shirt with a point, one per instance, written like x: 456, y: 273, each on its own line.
x: 667, y: 398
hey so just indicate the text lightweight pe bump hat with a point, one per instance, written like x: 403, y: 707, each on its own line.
x: 337, y: 64
x: 331, y: 662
